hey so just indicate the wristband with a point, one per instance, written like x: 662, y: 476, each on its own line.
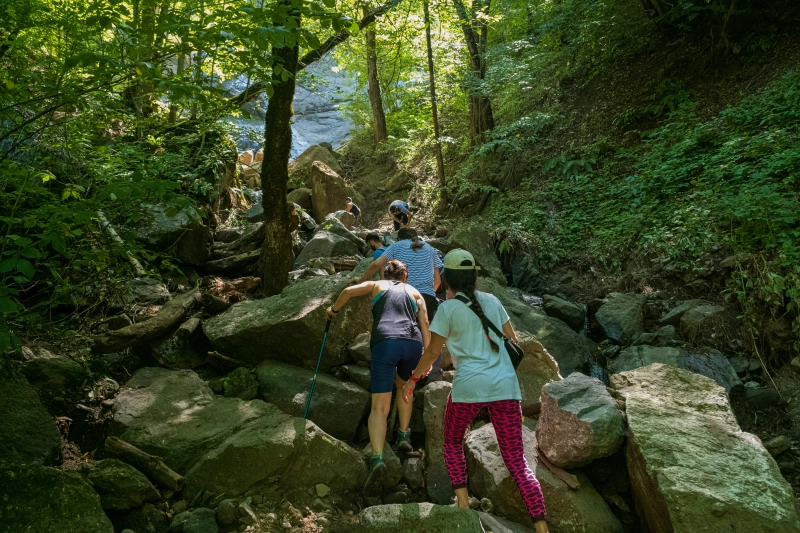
x: 412, y: 378
x: 334, y: 311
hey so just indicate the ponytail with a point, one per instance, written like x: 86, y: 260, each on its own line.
x: 411, y: 234
x: 464, y: 281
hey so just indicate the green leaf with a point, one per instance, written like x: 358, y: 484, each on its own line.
x: 31, y: 253
x: 25, y: 268
x: 8, y: 264
x: 7, y: 305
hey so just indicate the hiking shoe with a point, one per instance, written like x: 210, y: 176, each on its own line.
x: 377, y: 470
x: 404, y: 441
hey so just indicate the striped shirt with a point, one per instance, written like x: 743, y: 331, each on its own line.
x: 420, y: 264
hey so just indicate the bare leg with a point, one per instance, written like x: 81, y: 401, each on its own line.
x: 404, y: 409
x: 462, y: 496
x: 381, y: 403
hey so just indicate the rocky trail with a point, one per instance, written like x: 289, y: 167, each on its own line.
x: 189, y: 416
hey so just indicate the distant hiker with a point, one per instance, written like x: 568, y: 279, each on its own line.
x: 401, y: 214
x: 484, y: 377
x: 399, y: 334
x: 375, y: 244
x: 353, y: 208
x: 423, y: 272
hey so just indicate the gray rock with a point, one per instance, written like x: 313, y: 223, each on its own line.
x: 621, y: 318
x: 178, y: 520
x: 182, y: 236
x: 572, y: 314
x: 495, y: 524
x: 346, y: 218
x: 146, y: 291
x: 526, y: 275
x: 289, y: 327
x: 172, y: 351
x: 762, y: 397
x: 673, y: 317
x: 693, y: 319
x: 644, y: 339
x: 420, y: 518
x: 41, y: 499
x: 57, y: 379
x: 778, y: 445
x: 478, y: 242
x: 664, y: 335
x: 331, y: 225
x: 234, y: 265
x: 336, y: 406
x: 277, y: 453
x: 414, y: 472
x: 394, y: 470
x: 27, y: 434
x: 228, y: 235
x: 536, y: 369
x: 246, y: 514
x: 740, y: 364
x: 300, y: 169
x: 567, y: 509
x: 301, y: 197
x: 579, y: 422
x: 202, y: 520
x: 120, y: 486
x: 147, y: 518
x: 240, y: 384
x: 691, y: 467
x: 358, y: 375
x: 325, y: 244
x: 255, y: 213
x: 568, y: 348
x: 436, y: 476
x: 329, y: 191
x: 712, y: 364
x: 359, y: 349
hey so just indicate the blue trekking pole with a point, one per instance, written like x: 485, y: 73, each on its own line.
x: 319, y: 360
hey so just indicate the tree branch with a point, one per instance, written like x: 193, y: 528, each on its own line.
x: 252, y: 92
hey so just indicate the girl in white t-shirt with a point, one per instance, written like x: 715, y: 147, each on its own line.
x: 484, y: 377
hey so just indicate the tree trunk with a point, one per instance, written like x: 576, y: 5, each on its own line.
x: 481, y: 118
x: 277, y: 255
x: 173, y: 107
x: 374, y: 90
x: 435, y: 112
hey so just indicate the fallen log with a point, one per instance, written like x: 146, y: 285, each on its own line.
x: 247, y: 242
x: 230, y: 290
x: 213, y: 304
x: 150, y: 465
x: 167, y: 318
x: 235, y: 264
x: 188, y: 328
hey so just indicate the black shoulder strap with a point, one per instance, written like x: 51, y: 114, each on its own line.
x: 466, y: 301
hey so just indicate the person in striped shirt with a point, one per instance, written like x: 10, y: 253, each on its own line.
x: 423, y: 264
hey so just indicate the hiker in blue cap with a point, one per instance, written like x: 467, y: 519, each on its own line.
x: 401, y: 214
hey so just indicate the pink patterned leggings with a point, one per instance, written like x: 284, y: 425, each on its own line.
x: 506, y: 416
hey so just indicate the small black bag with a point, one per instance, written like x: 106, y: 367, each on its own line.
x: 513, y: 350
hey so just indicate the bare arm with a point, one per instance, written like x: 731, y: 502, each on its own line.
x: 508, y: 331
x: 374, y: 267
x: 437, y: 279
x: 422, y: 318
x: 362, y: 289
x: 428, y: 357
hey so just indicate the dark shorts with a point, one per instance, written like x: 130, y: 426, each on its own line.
x: 390, y: 357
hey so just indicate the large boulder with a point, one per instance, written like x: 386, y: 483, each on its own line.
x: 691, y: 467
x: 622, y: 317
x: 436, y: 477
x: 693, y: 320
x: 420, y: 518
x: 301, y: 197
x: 347, y: 219
x: 240, y: 383
x: 145, y: 291
x: 172, y: 351
x: 325, y: 244
x: 329, y: 191
x: 479, y: 243
x: 573, y: 314
x: 27, y: 433
x: 58, y: 380
x: 336, y: 406
x: 288, y: 327
x: 673, y: 317
x: 526, y: 276
x: 579, y: 422
x: 568, y: 510
x: 226, y: 445
x: 332, y: 225
x: 41, y: 499
x: 712, y: 364
x: 536, y: 369
x: 183, y: 235
x: 120, y: 486
x: 300, y: 170
x: 277, y: 454
x: 571, y: 350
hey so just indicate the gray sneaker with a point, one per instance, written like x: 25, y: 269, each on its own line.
x: 377, y: 471
x: 404, y: 441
